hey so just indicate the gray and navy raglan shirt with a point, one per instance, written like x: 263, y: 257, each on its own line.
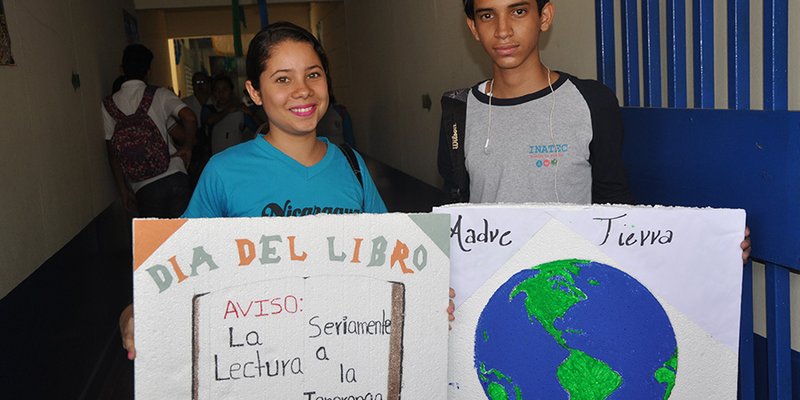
x: 566, y: 141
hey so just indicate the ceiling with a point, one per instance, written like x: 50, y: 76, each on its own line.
x: 161, y: 4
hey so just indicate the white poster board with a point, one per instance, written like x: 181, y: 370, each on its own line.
x: 595, y: 302
x: 292, y: 308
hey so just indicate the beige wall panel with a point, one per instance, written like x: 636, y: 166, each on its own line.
x: 99, y: 53
x: 794, y: 309
x: 144, y: 4
x: 794, y: 57
x: 572, y: 34
x: 759, y: 300
x: 689, y: 54
x: 55, y: 167
x: 153, y: 32
x: 416, y: 47
x: 203, y: 22
x: 20, y: 201
x: 330, y: 17
x: 757, y: 54
x: 618, y: 54
x: 54, y: 124
x: 297, y: 14
x: 720, y: 54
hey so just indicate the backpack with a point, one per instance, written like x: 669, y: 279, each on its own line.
x: 137, y: 142
x: 451, y: 160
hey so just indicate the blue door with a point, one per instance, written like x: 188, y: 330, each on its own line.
x: 693, y: 154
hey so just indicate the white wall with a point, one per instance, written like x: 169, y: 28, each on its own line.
x: 54, y: 170
x: 400, y: 50
x: 329, y: 24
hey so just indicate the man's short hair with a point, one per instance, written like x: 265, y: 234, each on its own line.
x: 469, y: 7
x: 136, y: 61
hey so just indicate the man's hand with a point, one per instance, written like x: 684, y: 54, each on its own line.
x: 451, y: 309
x: 126, y: 331
x: 746, y: 245
x: 129, y: 201
x: 185, y: 153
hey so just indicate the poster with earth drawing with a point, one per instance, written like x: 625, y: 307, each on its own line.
x: 595, y: 302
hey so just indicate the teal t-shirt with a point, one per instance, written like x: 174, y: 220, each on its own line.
x: 255, y: 179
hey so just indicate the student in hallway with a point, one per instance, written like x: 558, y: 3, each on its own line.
x: 148, y: 162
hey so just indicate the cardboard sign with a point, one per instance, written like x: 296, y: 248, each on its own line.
x: 595, y: 302
x: 292, y: 308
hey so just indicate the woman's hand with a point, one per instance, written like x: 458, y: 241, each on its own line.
x: 126, y: 331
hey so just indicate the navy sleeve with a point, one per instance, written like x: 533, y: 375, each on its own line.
x: 609, y: 179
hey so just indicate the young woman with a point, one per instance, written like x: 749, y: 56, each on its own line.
x: 287, y: 171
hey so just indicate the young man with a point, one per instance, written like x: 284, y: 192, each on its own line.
x: 529, y: 134
x: 163, y: 190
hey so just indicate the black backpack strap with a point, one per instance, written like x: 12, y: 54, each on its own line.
x: 451, y: 158
x: 350, y: 155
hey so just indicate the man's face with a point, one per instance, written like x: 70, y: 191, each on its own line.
x: 200, y: 84
x: 509, y: 30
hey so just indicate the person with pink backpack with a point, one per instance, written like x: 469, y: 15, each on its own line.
x: 148, y: 160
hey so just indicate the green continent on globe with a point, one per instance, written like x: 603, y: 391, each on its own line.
x: 495, y: 390
x: 666, y: 374
x: 585, y: 377
x: 548, y: 297
x: 551, y: 293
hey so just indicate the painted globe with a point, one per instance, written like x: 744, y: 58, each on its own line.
x: 575, y: 329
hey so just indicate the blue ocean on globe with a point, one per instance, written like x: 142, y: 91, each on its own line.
x: 575, y: 329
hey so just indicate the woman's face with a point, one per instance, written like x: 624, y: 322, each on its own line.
x: 293, y: 89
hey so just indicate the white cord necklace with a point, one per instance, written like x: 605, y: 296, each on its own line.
x: 489, y: 126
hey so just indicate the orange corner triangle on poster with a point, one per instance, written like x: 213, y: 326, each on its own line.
x: 150, y: 234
